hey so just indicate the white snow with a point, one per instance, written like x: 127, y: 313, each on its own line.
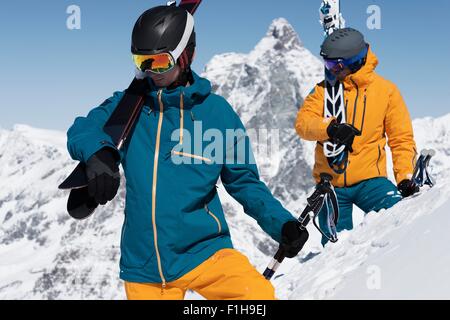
x: 399, y: 253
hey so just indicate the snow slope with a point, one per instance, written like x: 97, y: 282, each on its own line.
x: 400, y: 253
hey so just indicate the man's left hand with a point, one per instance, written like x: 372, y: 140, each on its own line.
x: 407, y: 188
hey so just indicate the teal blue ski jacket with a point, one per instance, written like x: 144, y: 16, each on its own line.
x: 174, y: 219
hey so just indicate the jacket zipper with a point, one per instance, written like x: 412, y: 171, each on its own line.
x: 356, y: 102
x: 378, y: 160
x: 345, y: 177
x: 219, y: 225
x: 181, y: 117
x: 124, y: 228
x: 364, y: 112
x: 346, y: 105
x: 155, y: 179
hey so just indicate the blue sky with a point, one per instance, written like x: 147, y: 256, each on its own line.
x: 49, y: 74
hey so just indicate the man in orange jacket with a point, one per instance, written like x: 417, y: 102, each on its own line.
x: 375, y: 111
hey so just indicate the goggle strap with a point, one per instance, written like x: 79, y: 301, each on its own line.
x: 188, y: 29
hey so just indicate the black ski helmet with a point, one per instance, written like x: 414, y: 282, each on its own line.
x: 343, y: 44
x: 165, y: 29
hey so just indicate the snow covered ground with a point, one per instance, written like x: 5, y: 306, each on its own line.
x: 401, y: 253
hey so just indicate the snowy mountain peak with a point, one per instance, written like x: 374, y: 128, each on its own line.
x: 281, y: 38
x: 282, y: 30
x: 278, y: 56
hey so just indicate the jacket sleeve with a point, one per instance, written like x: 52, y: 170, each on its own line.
x: 241, y: 179
x: 400, y: 137
x: 311, y: 124
x: 86, y: 136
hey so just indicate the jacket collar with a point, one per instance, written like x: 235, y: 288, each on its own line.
x: 365, y: 76
x: 195, y: 94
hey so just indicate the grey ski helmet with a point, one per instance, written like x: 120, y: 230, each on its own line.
x: 165, y: 29
x: 343, y: 44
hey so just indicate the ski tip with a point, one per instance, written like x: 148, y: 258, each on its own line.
x: 432, y: 152
x: 428, y: 152
x: 80, y: 206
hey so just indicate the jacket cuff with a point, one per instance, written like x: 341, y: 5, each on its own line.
x: 323, y: 128
x: 277, y: 236
x: 90, y: 150
x: 403, y: 176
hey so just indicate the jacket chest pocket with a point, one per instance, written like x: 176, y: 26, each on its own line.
x: 189, y: 158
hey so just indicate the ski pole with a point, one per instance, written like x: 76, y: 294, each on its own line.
x: 315, y: 203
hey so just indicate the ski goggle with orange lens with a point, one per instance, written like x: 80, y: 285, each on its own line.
x: 155, y: 63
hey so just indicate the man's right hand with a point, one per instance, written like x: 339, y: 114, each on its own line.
x: 103, y: 175
x: 343, y: 134
x: 293, y: 238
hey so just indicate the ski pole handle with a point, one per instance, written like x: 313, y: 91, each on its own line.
x: 280, y: 255
x: 325, y: 178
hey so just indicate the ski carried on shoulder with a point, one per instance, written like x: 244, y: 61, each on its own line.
x: 190, y: 5
x: 334, y: 106
x: 119, y: 127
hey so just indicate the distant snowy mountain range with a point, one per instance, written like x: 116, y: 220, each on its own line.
x: 44, y: 254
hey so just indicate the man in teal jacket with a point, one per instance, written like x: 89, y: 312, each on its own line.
x: 175, y: 236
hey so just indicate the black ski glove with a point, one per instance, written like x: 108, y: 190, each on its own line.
x: 407, y: 188
x: 293, y: 238
x: 343, y: 134
x: 103, y: 175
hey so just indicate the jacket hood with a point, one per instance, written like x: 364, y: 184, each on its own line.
x: 366, y: 74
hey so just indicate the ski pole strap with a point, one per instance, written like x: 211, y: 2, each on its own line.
x: 332, y: 209
x: 339, y: 163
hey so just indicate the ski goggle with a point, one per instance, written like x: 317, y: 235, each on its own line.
x: 337, y: 65
x: 155, y: 63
